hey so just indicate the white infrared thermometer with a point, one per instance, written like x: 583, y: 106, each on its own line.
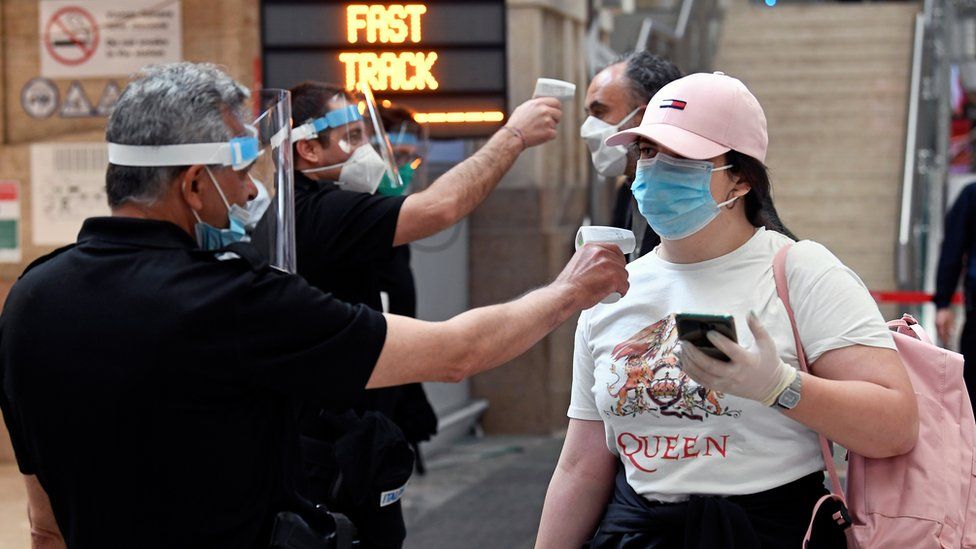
x: 621, y: 238
x: 550, y: 87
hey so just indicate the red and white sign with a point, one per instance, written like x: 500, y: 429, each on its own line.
x: 103, y: 38
x: 71, y: 36
x: 10, y: 249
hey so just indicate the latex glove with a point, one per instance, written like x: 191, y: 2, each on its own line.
x: 756, y: 374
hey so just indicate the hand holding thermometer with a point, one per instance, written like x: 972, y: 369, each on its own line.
x: 550, y: 87
x: 622, y: 238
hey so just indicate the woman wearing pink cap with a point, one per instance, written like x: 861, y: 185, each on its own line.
x: 704, y: 452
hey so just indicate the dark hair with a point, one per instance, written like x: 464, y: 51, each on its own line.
x: 396, y: 116
x: 647, y: 73
x: 760, y: 210
x: 310, y: 100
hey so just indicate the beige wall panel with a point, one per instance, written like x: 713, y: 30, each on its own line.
x: 833, y: 80
x: 3, y: 77
x: 220, y: 31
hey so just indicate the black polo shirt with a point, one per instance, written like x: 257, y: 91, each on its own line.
x: 340, y: 235
x: 150, y: 386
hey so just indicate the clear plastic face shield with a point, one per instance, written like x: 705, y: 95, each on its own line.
x: 356, y: 142
x: 410, y: 142
x: 274, y: 232
x: 258, y: 155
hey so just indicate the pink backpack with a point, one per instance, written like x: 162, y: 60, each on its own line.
x: 927, y: 497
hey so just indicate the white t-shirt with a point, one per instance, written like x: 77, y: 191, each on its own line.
x: 676, y: 438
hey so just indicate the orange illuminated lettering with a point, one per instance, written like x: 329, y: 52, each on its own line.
x: 455, y: 117
x: 355, y: 21
x: 387, y: 24
x: 407, y: 71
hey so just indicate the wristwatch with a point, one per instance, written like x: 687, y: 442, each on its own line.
x: 790, y: 397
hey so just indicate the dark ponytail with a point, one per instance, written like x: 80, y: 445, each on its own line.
x: 760, y: 210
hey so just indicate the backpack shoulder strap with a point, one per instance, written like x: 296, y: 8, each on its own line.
x: 783, y: 290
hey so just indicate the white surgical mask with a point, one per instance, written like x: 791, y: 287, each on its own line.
x: 608, y: 161
x: 362, y: 172
x: 258, y: 206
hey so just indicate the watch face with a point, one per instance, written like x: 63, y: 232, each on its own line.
x: 789, y: 399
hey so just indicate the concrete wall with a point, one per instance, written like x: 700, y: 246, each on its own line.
x: 220, y: 31
x: 833, y: 80
x: 523, y: 235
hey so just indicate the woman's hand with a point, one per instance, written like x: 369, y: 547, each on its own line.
x: 757, y: 374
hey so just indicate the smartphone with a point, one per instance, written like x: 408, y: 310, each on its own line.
x: 692, y: 327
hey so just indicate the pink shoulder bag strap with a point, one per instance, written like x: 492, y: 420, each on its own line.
x: 826, y: 447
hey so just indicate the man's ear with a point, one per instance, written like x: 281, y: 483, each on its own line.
x: 309, y: 149
x: 191, y: 182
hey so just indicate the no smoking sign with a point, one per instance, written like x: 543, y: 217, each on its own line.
x: 71, y: 35
x: 107, y: 38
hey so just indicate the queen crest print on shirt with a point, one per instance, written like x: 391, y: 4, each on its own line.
x: 646, y: 378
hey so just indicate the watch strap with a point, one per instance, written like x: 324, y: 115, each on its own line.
x: 786, y: 400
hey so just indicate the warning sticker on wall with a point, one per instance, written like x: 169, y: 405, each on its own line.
x: 90, y: 38
x: 10, y: 221
x: 67, y: 187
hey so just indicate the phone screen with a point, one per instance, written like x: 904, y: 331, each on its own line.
x: 693, y: 327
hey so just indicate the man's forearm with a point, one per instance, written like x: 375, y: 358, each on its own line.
x: 471, y: 342
x: 45, y: 533
x: 480, y: 339
x: 470, y: 182
x: 499, y: 333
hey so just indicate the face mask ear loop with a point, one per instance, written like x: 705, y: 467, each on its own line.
x: 628, y: 117
x: 220, y: 192
x: 326, y: 168
x: 728, y: 203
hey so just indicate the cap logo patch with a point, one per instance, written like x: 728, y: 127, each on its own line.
x: 673, y: 104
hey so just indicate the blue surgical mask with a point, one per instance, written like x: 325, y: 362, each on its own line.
x: 212, y: 238
x: 675, y: 195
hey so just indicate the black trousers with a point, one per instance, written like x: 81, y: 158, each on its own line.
x: 777, y: 518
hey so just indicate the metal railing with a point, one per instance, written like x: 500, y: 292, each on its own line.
x: 925, y: 173
x: 691, y: 43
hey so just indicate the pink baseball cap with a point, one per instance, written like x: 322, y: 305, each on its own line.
x: 702, y: 116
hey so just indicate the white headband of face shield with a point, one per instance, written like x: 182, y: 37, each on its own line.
x: 332, y: 119
x: 238, y: 153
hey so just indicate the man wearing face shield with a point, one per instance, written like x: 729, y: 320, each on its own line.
x: 342, y: 227
x: 346, y: 236
x: 615, y: 101
x: 149, y: 372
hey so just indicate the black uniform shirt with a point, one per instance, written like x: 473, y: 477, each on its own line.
x: 150, y: 386
x: 958, y: 255
x: 340, y: 235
